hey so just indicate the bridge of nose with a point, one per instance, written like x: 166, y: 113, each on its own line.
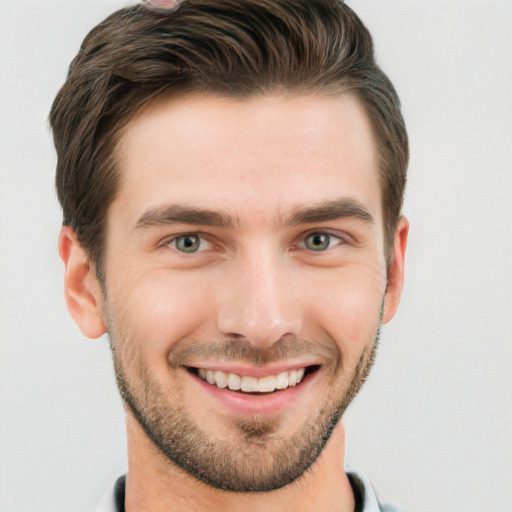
x: 258, y: 301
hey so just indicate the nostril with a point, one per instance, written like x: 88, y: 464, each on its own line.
x: 235, y: 336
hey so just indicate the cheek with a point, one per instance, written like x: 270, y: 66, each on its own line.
x: 348, y: 310
x: 157, y: 312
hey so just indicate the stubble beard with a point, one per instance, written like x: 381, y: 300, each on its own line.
x: 256, y: 458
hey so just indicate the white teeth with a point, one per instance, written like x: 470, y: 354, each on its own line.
x: 234, y: 382
x: 282, y: 380
x: 221, y: 379
x: 267, y: 384
x: 248, y: 384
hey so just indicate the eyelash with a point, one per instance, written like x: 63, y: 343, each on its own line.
x: 174, y: 240
x: 331, y: 238
x: 333, y: 241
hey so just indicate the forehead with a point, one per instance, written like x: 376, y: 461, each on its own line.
x: 262, y: 155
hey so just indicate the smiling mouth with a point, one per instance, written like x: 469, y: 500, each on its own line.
x: 253, y: 385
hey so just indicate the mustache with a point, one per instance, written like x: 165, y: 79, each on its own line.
x: 243, y: 352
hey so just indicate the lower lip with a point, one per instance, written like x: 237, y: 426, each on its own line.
x: 243, y: 403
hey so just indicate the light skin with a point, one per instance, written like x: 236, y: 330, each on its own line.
x: 246, y: 238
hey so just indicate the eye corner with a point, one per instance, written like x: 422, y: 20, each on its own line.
x: 191, y: 243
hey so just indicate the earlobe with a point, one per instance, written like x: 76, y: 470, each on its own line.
x: 82, y: 290
x: 395, y: 271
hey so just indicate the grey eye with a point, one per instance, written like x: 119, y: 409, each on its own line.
x: 187, y: 243
x: 318, y: 241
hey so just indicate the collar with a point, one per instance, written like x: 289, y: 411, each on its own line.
x: 365, y: 497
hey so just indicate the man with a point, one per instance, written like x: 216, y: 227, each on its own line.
x: 231, y: 174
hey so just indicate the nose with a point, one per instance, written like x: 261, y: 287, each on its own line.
x: 257, y: 303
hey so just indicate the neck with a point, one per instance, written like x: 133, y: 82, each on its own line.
x: 154, y: 484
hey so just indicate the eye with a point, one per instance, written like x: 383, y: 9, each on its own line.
x: 188, y: 243
x: 321, y: 241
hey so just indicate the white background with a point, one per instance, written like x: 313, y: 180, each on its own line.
x: 433, y: 426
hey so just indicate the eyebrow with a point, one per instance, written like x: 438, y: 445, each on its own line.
x: 173, y: 213
x: 330, y: 210
x: 320, y: 212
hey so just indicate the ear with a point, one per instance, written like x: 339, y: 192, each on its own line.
x: 82, y: 289
x: 395, y: 274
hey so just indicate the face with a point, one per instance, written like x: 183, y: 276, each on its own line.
x: 245, y: 279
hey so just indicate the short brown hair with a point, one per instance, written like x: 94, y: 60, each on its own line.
x: 229, y: 47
